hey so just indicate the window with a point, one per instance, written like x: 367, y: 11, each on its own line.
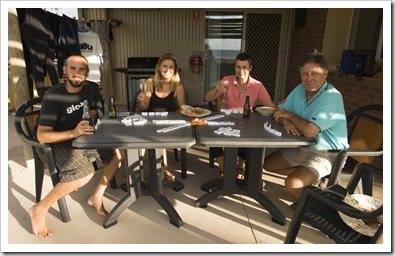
x: 367, y: 32
x: 223, y: 35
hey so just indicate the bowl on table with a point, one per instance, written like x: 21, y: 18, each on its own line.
x: 194, y: 112
x: 265, y: 111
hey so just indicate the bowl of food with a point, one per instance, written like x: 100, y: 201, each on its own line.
x: 194, y: 112
x: 265, y: 111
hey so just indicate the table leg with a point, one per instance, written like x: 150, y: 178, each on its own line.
x: 133, y: 173
x: 176, y: 185
x: 254, y: 163
x: 212, y: 184
x: 229, y: 181
x: 155, y: 186
x: 184, y: 163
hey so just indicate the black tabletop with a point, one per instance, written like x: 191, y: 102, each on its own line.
x: 252, y: 133
x: 112, y: 133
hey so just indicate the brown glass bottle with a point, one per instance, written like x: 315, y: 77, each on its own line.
x: 85, y: 114
x: 247, y: 109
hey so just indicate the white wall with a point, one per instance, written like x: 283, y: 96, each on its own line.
x: 337, y: 34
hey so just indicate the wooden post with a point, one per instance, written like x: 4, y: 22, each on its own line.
x: 17, y: 71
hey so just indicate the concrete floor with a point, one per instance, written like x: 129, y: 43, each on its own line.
x: 229, y: 224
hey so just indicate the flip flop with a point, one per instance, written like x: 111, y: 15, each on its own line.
x: 240, y: 174
x: 169, y: 176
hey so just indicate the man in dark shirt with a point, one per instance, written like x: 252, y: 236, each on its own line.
x: 61, y: 122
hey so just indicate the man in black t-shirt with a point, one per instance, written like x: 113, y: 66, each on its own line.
x: 61, y: 122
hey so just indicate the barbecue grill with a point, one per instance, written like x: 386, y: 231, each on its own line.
x: 138, y: 68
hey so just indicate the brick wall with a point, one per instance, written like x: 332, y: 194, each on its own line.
x: 356, y: 92
x: 304, y: 41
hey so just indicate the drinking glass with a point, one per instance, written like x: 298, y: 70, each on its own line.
x: 143, y: 85
x: 225, y: 84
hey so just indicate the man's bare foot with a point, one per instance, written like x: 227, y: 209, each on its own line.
x: 99, y: 207
x: 39, y: 224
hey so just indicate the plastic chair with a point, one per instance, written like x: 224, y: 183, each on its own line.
x: 24, y: 120
x: 365, y: 136
x: 320, y: 208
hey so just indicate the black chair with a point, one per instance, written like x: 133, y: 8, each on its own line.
x: 365, y: 137
x: 133, y: 109
x: 320, y: 208
x: 24, y: 120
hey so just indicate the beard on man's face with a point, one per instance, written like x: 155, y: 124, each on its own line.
x: 75, y: 83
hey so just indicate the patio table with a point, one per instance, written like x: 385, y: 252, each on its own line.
x: 112, y: 134
x: 255, y: 138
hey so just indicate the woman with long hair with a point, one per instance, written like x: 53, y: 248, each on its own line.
x: 163, y: 92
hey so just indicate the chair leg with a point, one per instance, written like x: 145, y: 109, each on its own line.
x: 64, y: 211
x: 39, y: 176
x: 94, y: 163
x: 113, y: 183
x: 184, y: 163
x: 297, y: 218
x: 365, y: 185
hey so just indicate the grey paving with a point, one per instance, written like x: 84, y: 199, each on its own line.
x: 229, y: 224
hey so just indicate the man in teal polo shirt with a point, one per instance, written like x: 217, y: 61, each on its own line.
x: 314, y: 109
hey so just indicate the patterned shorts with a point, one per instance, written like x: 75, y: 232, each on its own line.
x: 73, y: 163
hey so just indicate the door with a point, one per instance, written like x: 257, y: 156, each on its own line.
x: 262, y: 33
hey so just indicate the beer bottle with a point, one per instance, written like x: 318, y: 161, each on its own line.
x: 246, y: 109
x: 85, y: 114
x: 112, y: 112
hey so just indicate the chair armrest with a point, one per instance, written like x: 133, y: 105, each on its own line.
x: 32, y: 141
x: 341, y: 160
x: 335, y: 201
x: 21, y: 133
x: 50, y: 159
x: 359, y: 170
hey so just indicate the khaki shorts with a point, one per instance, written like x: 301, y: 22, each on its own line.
x: 73, y: 163
x: 318, y: 161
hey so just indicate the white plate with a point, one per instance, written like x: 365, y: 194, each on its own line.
x: 191, y: 111
x: 265, y: 111
x: 365, y: 203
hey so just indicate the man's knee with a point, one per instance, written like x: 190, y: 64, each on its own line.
x: 293, y: 182
x: 301, y: 177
